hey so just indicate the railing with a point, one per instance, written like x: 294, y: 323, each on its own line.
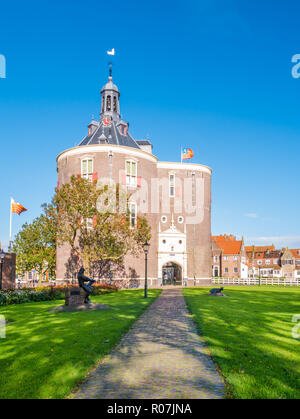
x: 256, y: 281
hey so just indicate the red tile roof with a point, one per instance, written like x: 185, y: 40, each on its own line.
x: 259, y: 248
x: 228, y: 244
x: 296, y: 253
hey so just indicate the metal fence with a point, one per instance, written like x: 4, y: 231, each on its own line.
x: 257, y: 281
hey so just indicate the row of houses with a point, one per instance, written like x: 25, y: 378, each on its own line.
x: 232, y: 259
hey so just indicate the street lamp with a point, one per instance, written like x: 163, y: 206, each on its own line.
x: 146, y: 246
x: 2, y: 255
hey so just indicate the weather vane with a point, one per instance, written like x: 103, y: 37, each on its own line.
x: 112, y: 53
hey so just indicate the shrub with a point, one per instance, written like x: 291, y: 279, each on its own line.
x: 27, y: 295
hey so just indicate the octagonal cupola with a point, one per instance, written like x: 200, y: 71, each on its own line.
x: 110, y: 95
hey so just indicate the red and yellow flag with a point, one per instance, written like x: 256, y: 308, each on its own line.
x: 16, y: 207
x: 187, y: 153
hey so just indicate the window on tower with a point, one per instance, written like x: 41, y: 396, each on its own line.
x: 108, y: 103
x: 115, y: 104
x: 172, y: 185
x: 87, y: 169
x: 131, y: 173
x: 133, y: 214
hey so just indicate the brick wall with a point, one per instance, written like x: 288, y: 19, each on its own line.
x: 9, y: 271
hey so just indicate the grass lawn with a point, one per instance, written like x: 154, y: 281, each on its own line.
x: 249, y: 335
x: 44, y: 355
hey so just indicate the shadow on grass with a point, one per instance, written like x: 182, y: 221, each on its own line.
x: 249, y: 335
x: 45, y: 354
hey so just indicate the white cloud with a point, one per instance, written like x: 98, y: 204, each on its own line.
x: 278, y: 241
x: 251, y: 215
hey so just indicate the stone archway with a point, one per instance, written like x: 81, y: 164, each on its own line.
x: 171, y: 274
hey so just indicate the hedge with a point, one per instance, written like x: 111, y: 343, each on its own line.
x: 27, y: 295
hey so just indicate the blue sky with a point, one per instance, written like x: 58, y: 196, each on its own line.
x: 211, y: 75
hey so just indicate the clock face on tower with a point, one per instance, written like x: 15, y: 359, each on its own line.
x: 106, y: 121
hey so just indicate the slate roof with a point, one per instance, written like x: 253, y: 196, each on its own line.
x: 143, y: 142
x: 112, y: 134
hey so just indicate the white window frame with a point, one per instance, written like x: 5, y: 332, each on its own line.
x: 89, y: 223
x: 89, y: 174
x: 132, y: 204
x: 172, y: 185
x: 131, y: 178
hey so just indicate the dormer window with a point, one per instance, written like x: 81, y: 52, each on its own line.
x: 123, y: 129
x: 102, y: 139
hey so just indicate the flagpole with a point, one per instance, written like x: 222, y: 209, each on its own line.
x: 10, y: 226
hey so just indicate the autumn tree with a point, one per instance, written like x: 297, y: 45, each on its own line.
x: 94, y: 220
x: 35, y: 247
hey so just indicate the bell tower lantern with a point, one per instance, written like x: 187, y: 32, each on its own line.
x: 110, y: 95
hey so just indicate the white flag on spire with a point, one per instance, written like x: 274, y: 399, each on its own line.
x: 112, y: 52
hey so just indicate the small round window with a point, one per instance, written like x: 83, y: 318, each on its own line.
x: 180, y: 220
x: 180, y: 241
x: 164, y: 219
x: 164, y: 241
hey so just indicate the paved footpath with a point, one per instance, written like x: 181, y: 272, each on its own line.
x: 160, y: 357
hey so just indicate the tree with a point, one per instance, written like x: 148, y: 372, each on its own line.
x: 35, y: 247
x: 94, y: 220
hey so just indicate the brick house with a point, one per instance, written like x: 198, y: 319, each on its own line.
x: 180, y: 246
x: 290, y: 263
x: 264, y: 261
x: 229, y: 257
x: 267, y: 262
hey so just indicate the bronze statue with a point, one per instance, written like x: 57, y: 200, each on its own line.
x: 216, y: 291
x: 88, y: 288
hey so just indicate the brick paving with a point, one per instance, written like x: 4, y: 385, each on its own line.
x: 160, y: 357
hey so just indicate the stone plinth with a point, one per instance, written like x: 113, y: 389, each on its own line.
x: 75, y: 296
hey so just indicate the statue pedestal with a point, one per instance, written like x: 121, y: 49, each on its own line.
x: 75, y: 296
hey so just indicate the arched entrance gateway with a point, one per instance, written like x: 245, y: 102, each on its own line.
x: 172, y: 255
x: 171, y: 274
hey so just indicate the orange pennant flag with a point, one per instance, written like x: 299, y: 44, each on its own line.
x: 17, y: 208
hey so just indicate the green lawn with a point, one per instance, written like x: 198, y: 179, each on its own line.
x: 44, y: 355
x: 249, y: 335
